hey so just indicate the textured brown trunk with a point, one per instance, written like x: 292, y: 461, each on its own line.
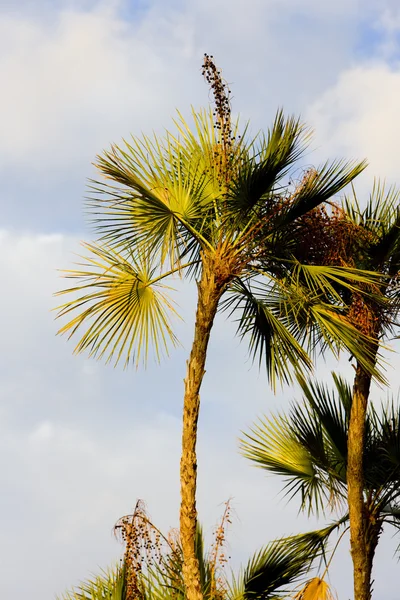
x: 209, y: 293
x: 373, y: 533
x: 362, y: 563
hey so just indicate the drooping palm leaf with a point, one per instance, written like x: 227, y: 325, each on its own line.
x: 269, y: 340
x: 274, y: 445
x: 322, y: 185
x: 273, y: 572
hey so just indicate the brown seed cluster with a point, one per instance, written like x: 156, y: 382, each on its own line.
x: 146, y: 546
x: 224, y: 150
x: 142, y: 547
x: 222, y: 94
x: 330, y: 238
x: 218, y: 557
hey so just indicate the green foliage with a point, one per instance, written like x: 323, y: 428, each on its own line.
x: 270, y: 574
x: 308, y: 448
x: 110, y: 585
x: 171, y: 202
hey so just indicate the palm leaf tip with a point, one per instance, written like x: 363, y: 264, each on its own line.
x: 261, y: 322
x: 122, y: 308
x: 315, y: 589
x: 277, y: 567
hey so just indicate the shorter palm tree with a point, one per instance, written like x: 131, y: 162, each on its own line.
x: 152, y: 567
x: 308, y: 448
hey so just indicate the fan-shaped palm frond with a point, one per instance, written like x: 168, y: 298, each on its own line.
x: 320, y: 185
x: 273, y: 572
x: 308, y: 449
x: 308, y: 446
x: 126, y: 303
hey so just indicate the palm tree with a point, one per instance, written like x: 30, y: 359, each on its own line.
x: 213, y: 206
x: 152, y: 566
x: 308, y: 447
x: 369, y: 239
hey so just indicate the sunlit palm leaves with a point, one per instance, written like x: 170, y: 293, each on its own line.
x: 270, y: 574
x: 125, y: 302
x: 108, y: 586
x: 381, y: 251
x: 170, y: 200
x: 308, y: 448
x: 286, y: 319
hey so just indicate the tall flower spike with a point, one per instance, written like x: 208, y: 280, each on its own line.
x: 222, y: 115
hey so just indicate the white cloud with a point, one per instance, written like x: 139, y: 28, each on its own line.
x: 74, y: 83
x: 79, y: 79
x: 358, y: 117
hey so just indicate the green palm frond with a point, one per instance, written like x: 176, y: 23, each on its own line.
x: 333, y: 414
x: 322, y: 184
x: 287, y: 320
x: 274, y: 570
x: 380, y: 218
x: 274, y: 445
x: 382, y: 453
x: 325, y: 280
x: 122, y: 304
x: 269, y: 339
x: 380, y: 212
x: 312, y: 309
x: 162, y: 201
x: 307, y: 447
x: 110, y: 585
x: 269, y: 161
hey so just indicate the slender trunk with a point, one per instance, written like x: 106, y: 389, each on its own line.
x: 355, y: 486
x: 374, y: 529
x: 209, y: 293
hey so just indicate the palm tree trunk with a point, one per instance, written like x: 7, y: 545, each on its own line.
x: 209, y: 293
x: 373, y: 532
x: 355, y: 486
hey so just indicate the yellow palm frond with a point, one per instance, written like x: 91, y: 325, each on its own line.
x: 315, y: 589
x: 122, y: 304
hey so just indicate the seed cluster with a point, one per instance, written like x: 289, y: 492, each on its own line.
x: 224, y: 150
x: 218, y: 557
x: 222, y: 94
x: 142, y: 547
x: 332, y: 239
x: 146, y: 546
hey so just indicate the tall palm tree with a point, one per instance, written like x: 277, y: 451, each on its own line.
x: 211, y: 205
x: 308, y: 448
x: 380, y: 253
x: 364, y: 238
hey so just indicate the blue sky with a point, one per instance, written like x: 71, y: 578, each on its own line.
x: 79, y: 441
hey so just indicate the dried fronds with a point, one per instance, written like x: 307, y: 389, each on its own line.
x: 218, y: 557
x: 315, y: 589
x: 330, y: 237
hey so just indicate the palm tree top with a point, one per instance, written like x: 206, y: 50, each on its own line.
x: 206, y: 197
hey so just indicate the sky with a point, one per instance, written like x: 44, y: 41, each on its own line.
x: 80, y: 441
